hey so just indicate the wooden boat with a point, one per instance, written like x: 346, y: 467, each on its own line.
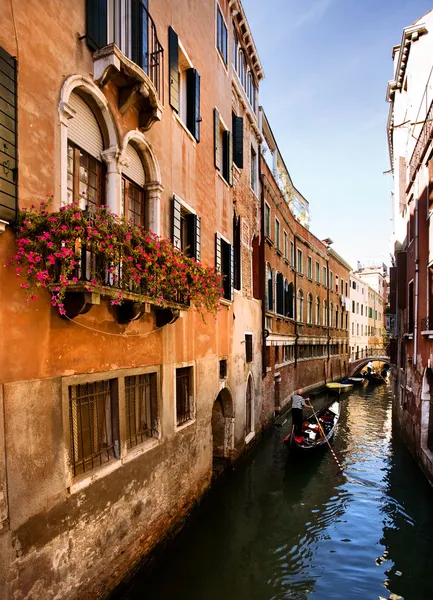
x: 314, y: 436
x: 339, y: 388
x: 375, y: 378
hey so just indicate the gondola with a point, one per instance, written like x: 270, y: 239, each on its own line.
x: 374, y: 378
x: 314, y: 435
x: 339, y: 388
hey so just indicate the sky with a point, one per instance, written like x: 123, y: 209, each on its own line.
x: 327, y: 64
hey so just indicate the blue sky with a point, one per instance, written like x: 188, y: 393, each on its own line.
x: 327, y: 64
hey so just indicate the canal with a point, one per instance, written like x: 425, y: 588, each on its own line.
x: 280, y: 526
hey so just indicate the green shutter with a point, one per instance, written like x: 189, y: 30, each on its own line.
x: 8, y: 136
x: 193, y: 102
x: 176, y: 223
x: 173, y: 67
x: 194, y: 236
x: 217, y: 140
x: 96, y: 24
x: 238, y: 141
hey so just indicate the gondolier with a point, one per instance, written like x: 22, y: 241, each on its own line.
x: 298, y: 403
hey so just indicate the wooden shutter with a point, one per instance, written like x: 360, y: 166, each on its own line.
x: 139, y: 35
x: 96, y: 24
x: 229, y: 158
x: 134, y: 171
x: 218, y: 258
x: 193, y: 102
x: 194, y: 235
x: 176, y: 223
x: 173, y: 68
x: 197, y: 238
x: 401, y: 279
x: 238, y: 141
x: 226, y: 166
x: 83, y: 128
x: 8, y: 136
x: 217, y: 140
x: 232, y: 272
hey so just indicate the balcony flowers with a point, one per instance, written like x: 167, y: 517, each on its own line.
x: 107, y: 254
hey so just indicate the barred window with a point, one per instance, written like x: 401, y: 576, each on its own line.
x: 184, y: 395
x: 248, y: 347
x: 141, y: 408
x: 94, y: 423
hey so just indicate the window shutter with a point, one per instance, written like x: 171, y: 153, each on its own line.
x: 83, y: 128
x: 232, y: 272
x: 96, y: 24
x: 217, y: 140
x: 229, y: 158
x: 198, y: 238
x: 173, y: 68
x: 194, y: 235
x: 8, y: 136
x: 176, y: 223
x: 134, y: 171
x: 139, y: 35
x: 218, y: 259
x: 238, y: 141
x: 193, y: 102
x: 226, y: 166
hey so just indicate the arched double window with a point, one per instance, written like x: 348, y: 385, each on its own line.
x: 317, y: 311
x: 300, y: 306
x: 309, y: 309
x: 133, y: 180
x: 288, y: 299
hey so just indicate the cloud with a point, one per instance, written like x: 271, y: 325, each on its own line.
x: 314, y: 13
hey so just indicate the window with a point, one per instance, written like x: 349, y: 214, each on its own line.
x: 221, y: 35
x: 270, y: 288
x: 336, y: 318
x: 184, y: 395
x: 292, y: 254
x: 299, y: 261
x: 267, y: 220
x: 224, y: 259
x: 346, y: 289
x: 253, y: 179
x: 223, y: 368
x: 277, y: 234
x: 288, y: 299
x: 310, y: 267
x: 331, y: 315
x: 317, y: 311
x: 235, y: 49
x: 325, y: 313
x: 184, y: 86
x: 324, y: 276
x: 300, y: 307
x: 357, y: 329
x: 93, y: 412
x: 362, y: 309
x: 317, y: 272
x: 248, y: 347
x: 353, y: 306
x: 354, y: 285
x: 141, y: 408
x: 249, y: 407
x: 238, y: 140
x: 357, y: 308
x: 280, y: 294
x: 251, y: 91
x: 286, y: 246
x: 353, y: 328
x: 331, y: 283
x: 8, y: 136
x: 310, y: 309
x: 223, y: 149
x: 186, y: 228
x: 84, y: 178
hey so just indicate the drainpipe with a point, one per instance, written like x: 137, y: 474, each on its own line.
x: 329, y: 316
x: 262, y: 264
x: 415, y: 323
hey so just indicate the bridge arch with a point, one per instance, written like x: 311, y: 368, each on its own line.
x: 358, y: 364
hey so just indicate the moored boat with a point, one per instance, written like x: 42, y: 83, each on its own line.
x: 356, y: 380
x: 375, y: 378
x: 317, y: 429
x: 339, y: 388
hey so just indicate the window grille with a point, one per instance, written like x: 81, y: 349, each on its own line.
x: 223, y: 368
x: 184, y: 398
x: 248, y: 347
x: 94, y: 425
x: 141, y: 408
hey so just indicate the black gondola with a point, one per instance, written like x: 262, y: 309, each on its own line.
x: 317, y: 430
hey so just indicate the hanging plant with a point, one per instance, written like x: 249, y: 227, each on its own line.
x: 110, y: 255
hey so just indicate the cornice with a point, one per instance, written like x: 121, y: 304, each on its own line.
x: 238, y: 13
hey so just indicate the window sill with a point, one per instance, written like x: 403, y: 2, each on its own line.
x: 300, y: 274
x: 269, y: 241
x: 310, y: 279
x: 226, y: 302
x: 185, y: 425
x: 220, y: 56
x: 184, y: 127
x: 86, y: 479
x: 249, y: 437
x: 140, y: 449
x: 222, y: 178
x: 278, y: 251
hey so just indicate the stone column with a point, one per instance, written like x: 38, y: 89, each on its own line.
x: 153, y: 203
x: 114, y: 179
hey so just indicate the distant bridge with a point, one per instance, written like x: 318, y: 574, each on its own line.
x: 356, y: 365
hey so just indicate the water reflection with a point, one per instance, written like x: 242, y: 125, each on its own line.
x: 285, y: 527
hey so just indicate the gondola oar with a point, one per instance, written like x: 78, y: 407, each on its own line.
x: 327, y: 441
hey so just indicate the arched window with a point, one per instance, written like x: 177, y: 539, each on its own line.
x: 288, y: 299
x: 317, y: 311
x: 249, y: 407
x: 325, y: 313
x: 309, y: 309
x: 280, y: 294
x: 85, y: 172
x: 270, y: 288
x: 331, y: 315
x: 300, y: 307
x: 133, y: 181
x: 336, y: 317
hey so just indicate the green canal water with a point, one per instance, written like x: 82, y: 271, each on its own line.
x: 284, y: 526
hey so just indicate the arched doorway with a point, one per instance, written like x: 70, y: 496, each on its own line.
x: 222, y: 429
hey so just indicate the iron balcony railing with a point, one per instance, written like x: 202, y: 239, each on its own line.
x: 129, y: 25
x: 426, y: 324
x: 422, y: 142
x: 96, y: 270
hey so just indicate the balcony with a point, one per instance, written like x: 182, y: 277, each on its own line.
x: 127, y: 52
x: 422, y: 143
x: 427, y: 327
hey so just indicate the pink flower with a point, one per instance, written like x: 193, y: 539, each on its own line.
x: 25, y: 285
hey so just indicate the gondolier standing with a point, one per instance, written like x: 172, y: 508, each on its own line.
x: 298, y: 403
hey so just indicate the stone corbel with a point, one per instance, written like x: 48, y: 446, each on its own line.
x: 3, y: 225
